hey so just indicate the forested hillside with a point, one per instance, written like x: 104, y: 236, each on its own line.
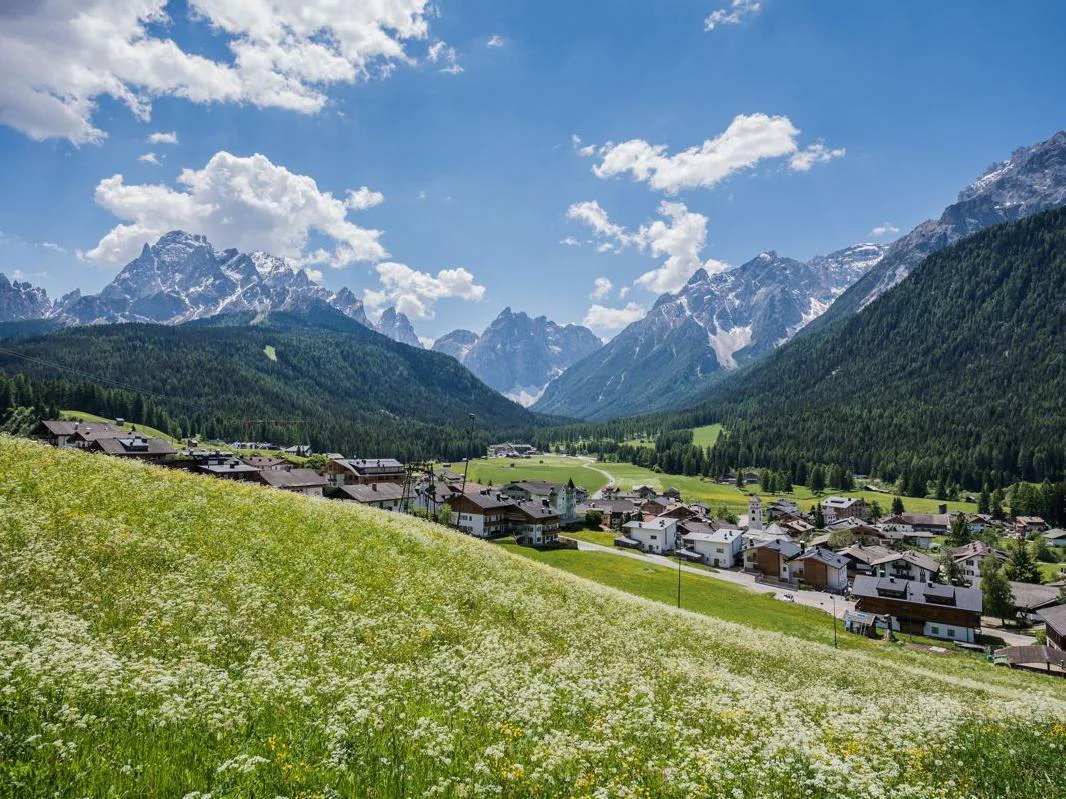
x: 959, y: 372
x: 351, y: 389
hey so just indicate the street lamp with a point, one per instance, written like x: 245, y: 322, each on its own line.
x: 470, y: 438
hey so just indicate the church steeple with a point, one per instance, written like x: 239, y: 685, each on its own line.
x: 755, y: 513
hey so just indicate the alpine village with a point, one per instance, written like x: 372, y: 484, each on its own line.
x: 277, y: 524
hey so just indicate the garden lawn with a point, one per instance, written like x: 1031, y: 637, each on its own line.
x: 168, y: 634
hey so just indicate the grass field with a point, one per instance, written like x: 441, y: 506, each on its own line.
x: 165, y: 634
x: 707, y: 435
x: 558, y: 468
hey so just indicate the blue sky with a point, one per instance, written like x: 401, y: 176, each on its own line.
x: 831, y: 119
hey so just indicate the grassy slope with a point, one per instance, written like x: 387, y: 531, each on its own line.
x: 706, y: 436
x: 163, y: 633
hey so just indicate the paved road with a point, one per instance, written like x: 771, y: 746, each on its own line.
x: 814, y: 599
x: 990, y: 626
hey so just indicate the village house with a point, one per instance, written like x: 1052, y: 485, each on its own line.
x: 907, y: 565
x: 655, y: 535
x: 753, y: 538
x: 222, y: 465
x: 134, y: 446
x: 656, y: 505
x: 266, y: 462
x: 1025, y: 526
x: 899, y: 534
x: 363, y: 471
x: 1055, y: 620
x: 795, y: 527
x: 1055, y: 537
x: 934, y: 523
x: 930, y: 609
x: 969, y: 559
x: 533, y: 522
x: 299, y: 481
x: 509, y: 450
x: 1030, y: 599
x: 562, y: 499
x: 771, y: 558
x: 822, y: 569
x: 59, y: 433
x: 387, y: 496
x: 834, y: 508
x: 720, y: 548
x: 482, y: 514
x: 861, y: 558
x: 616, y: 512
x: 782, y: 507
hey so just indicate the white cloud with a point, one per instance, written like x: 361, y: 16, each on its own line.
x: 427, y: 342
x: 58, y: 57
x: 570, y: 241
x: 248, y: 203
x: 415, y: 293
x: 817, y: 153
x: 162, y: 138
x: 149, y: 158
x: 738, y: 11
x: 18, y: 274
x: 887, y: 229
x: 315, y: 274
x: 439, y: 52
x: 678, y: 236
x: 495, y: 41
x: 601, y: 287
x: 748, y: 140
x: 623, y: 292
x: 603, y: 320
x: 583, y: 150
x: 363, y: 198
x: 51, y: 245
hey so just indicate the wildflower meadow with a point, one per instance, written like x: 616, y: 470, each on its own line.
x: 168, y: 635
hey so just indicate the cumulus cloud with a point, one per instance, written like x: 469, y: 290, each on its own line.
x: 584, y: 150
x: 415, y: 293
x: 244, y: 202
x: 446, y: 56
x: 363, y: 198
x: 678, y: 236
x: 58, y: 57
x: 887, y: 229
x: 817, y: 153
x: 149, y: 158
x: 601, y: 287
x: 738, y: 11
x: 748, y: 140
x: 162, y: 138
x: 495, y: 41
x: 607, y: 320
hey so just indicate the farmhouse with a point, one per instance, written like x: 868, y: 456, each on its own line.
x: 563, y: 499
x: 363, y: 471
x: 861, y: 558
x: 300, y: 481
x: 1055, y: 619
x: 907, y: 565
x: 970, y: 556
x: 1029, y: 598
x: 930, y: 609
x: 481, y: 513
x: 534, y: 522
x: 719, y: 548
x: 935, y: 523
x: 656, y: 535
x: 1026, y: 525
x: 771, y: 557
x: 904, y: 534
x: 1055, y: 537
x: 132, y: 445
x: 387, y: 496
x: 834, y: 508
x: 267, y: 462
x: 616, y: 512
x: 59, y: 433
x: 820, y: 568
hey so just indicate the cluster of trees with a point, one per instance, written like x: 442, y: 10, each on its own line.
x: 343, y: 390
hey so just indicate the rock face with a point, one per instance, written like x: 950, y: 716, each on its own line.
x: 19, y: 300
x: 1033, y: 179
x: 182, y: 277
x: 398, y: 327
x: 715, y: 324
x: 518, y: 355
x: 457, y: 343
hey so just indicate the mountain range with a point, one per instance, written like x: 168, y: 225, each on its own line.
x: 717, y: 323
x: 714, y: 324
x: 957, y: 373
x: 518, y: 355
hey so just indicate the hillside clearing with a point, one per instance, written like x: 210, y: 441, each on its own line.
x: 163, y: 634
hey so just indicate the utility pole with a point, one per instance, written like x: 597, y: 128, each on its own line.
x: 470, y: 437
